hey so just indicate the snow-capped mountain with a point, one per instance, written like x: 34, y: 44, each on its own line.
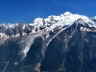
x: 47, y: 24
x: 58, y: 43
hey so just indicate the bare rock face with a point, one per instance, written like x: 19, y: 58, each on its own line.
x: 64, y: 43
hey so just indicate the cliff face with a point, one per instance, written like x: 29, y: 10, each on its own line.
x: 73, y: 52
x: 64, y: 43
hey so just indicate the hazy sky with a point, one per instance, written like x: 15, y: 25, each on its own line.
x: 26, y: 10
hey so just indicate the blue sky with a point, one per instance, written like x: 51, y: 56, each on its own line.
x: 26, y: 10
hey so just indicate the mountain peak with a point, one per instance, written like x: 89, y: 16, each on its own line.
x: 67, y: 13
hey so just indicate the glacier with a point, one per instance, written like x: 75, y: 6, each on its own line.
x: 58, y: 43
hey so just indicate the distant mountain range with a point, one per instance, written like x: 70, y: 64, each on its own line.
x: 48, y: 24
